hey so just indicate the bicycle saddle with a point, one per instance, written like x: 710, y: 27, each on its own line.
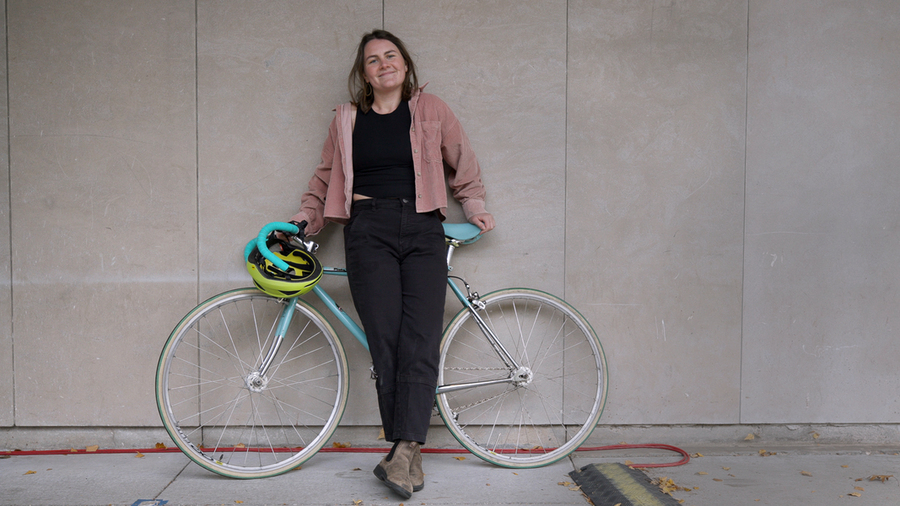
x: 465, y: 233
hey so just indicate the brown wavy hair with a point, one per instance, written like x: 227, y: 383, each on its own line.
x: 357, y: 82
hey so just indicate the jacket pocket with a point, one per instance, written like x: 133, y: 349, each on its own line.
x: 431, y: 134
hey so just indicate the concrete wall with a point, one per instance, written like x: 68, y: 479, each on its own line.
x: 714, y: 183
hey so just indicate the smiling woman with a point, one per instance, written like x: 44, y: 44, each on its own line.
x: 385, y: 73
x: 380, y: 52
x: 382, y: 177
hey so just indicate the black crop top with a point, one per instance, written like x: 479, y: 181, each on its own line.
x: 382, y: 154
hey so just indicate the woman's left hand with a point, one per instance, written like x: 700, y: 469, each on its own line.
x: 484, y: 221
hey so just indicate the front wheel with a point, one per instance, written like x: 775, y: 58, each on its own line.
x: 534, y: 414
x: 227, y: 417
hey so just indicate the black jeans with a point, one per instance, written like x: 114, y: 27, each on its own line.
x: 397, y: 270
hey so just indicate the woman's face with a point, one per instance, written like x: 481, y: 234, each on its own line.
x: 385, y: 68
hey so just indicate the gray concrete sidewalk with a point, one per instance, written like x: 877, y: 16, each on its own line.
x: 722, y: 476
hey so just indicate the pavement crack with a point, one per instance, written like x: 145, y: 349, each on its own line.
x: 174, y: 478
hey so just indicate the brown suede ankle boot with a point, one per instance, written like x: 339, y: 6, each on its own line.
x: 416, y: 475
x: 395, y: 472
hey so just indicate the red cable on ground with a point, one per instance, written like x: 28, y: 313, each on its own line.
x: 686, y: 457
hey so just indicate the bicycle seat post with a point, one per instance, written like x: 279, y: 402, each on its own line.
x: 452, y: 244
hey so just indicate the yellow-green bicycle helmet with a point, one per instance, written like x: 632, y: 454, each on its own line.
x: 304, y: 269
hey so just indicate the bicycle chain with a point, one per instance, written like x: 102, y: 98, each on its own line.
x: 476, y: 368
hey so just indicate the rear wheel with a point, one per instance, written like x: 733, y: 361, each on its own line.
x: 550, y: 403
x: 225, y: 416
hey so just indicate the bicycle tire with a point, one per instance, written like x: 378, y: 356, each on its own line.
x: 212, y: 413
x: 532, y: 423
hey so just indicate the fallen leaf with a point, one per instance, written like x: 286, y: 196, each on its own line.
x: 667, y: 485
x: 750, y: 437
x: 845, y: 467
x: 240, y: 445
x: 341, y: 445
x: 855, y: 494
x: 459, y: 458
x: 696, y: 455
x: 380, y: 434
x: 92, y: 448
x: 727, y: 468
x: 160, y: 446
x: 30, y: 472
x: 859, y: 488
x: 564, y: 483
x: 702, y: 473
x: 881, y: 477
x: 516, y: 474
x: 356, y: 469
x: 139, y: 455
x: 718, y: 479
x: 629, y: 463
x: 806, y: 473
x: 815, y: 435
x: 764, y: 453
x: 357, y: 502
x: 575, y: 488
x: 239, y: 502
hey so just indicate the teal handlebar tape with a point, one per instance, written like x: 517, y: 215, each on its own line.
x: 260, y: 242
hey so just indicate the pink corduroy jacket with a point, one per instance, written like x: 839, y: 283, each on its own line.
x: 436, y: 137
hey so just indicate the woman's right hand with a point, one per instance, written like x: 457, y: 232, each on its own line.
x: 484, y: 221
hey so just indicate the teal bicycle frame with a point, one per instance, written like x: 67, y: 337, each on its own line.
x: 458, y: 234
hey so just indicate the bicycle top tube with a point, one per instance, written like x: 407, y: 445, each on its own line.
x: 459, y: 233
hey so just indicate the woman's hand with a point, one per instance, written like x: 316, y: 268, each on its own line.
x: 484, y: 221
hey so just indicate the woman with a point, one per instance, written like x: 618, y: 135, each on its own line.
x: 382, y: 176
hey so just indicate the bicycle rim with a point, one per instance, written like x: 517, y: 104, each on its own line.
x: 559, y: 397
x: 213, y: 414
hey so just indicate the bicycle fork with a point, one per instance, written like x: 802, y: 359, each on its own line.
x: 257, y: 380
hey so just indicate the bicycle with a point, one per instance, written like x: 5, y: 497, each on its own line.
x: 251, y: 386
